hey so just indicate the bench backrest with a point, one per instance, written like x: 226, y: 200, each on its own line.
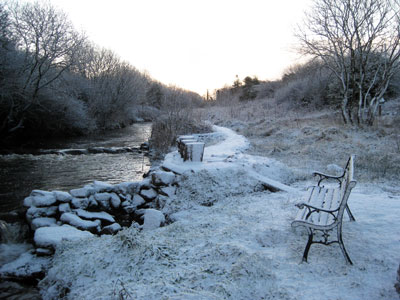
x: 347, y: 184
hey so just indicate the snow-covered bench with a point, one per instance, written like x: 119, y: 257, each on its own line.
x: 189, y: 148
x: 323, y: 210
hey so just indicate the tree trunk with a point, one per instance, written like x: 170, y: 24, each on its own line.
x: 372, y: 111
x: 345, y: 111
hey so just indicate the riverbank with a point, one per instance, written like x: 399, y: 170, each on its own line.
x: 230, y: 238
x: 22, y: 173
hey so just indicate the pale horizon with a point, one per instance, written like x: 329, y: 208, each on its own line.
x: 195, y: 45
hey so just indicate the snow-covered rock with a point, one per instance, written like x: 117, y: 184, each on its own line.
x: 37, y: 212
x: 103, y: 199
x: 128, y: 207
x: 115, y: 201
x: 79, y: 223
x: 127, y: 187
x: 44, y: 251
x: 100, y: 186
x: 111, y: 229
x: 40, y: 193
x: 62, y: 196
x: 80, y: 203
x: 43, y: 200
x: 148, y: 194
x: 92, y: 202
x: 95, y: 215
x: 28, y: 201
x: 82, y: 192
x: 163, y: 178
x: 27, y: 265
x: 168, y: 191
x: 152, y: 218
x: 64, y: 207
x: 137, y: 200
x: 46, y: 237
x: 43, y: 222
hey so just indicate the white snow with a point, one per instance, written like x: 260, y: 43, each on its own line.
x: 80, y: 202
x: 111, y: 229
x: 64, y: 207
x: 163, y: 178
x: 76, y: 221
x: 101, y: 186
x: 37, y: 212
x: 232, y: 239
x: 94, y: 215
x: 43, y: 222
x: 62, y: 196
x: 26, y: 265
x: 115, y: 201
x: 43, y: 200
x: 82, y: 192
x: 137, y: 200
x: 28, y: 201
x: 152, y: 218
x: 53, y: 236
x: 148, y: 193
x: 169, y: 190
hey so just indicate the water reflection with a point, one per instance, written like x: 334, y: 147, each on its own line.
x: 19, y: 174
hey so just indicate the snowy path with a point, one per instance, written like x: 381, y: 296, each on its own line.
x: 240, y: 247
x: 229, y: 154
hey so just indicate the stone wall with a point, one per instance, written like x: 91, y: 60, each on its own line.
x: 97, y: 208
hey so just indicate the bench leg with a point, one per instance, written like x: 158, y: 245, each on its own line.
x: 340, y: 240
x: 350, y: 214
x: 309, y: 242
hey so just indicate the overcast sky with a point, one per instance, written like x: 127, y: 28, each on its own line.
x: 194, y: 44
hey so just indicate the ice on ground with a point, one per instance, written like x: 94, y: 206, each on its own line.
x: 53, y: 236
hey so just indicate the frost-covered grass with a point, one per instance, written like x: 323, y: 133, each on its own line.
x: 306, y: 139
x: 231, y: 239
x: 240, y: 248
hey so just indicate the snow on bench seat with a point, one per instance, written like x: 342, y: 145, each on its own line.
x: 324, y: 208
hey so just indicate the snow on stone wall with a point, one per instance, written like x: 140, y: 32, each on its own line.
x: 98, y: 208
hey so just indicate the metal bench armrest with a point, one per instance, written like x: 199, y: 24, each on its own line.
x: 316, y: 208
x: 323, y: 176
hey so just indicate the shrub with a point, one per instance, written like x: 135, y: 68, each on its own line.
x: 397, y: 284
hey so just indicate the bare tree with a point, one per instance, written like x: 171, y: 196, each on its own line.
x: 359, y: 41
x: 49, y: 44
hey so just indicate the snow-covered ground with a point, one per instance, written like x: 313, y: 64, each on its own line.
x: 232, y: 239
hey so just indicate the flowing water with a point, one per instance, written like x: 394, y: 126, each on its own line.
x: 21, y: 173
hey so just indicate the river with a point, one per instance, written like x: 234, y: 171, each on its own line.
x: 21, y: 173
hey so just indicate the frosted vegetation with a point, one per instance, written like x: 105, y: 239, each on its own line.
x: 229, y: 238
x: 226, y: 236
x: 54, y: 81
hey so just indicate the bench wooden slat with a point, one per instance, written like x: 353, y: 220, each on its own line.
x: 324, y: 209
